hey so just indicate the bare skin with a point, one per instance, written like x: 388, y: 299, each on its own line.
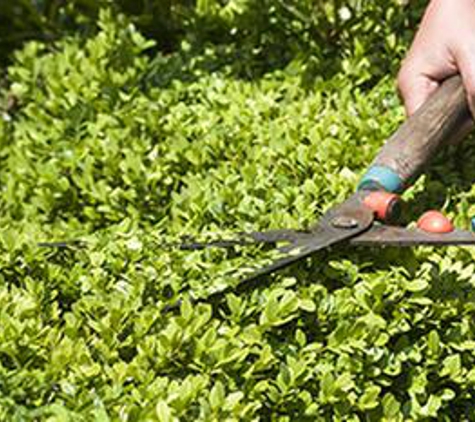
x: 443, y: 46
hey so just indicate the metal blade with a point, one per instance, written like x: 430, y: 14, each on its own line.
x: 382, y: 235
x: 249, y: 238
x: 342, y: 222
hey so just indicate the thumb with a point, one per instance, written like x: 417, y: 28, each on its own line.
x: 415, y: 87
x: 466, y: 64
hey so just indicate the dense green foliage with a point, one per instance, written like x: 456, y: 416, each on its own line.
x: 105, y: 140
x: 49, y: 20
x: 266, y: 33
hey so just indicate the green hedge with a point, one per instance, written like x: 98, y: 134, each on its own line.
x: 266, y: 32
x: 107, y: 141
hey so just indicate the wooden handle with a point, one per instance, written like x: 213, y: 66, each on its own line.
x: 442, y: 119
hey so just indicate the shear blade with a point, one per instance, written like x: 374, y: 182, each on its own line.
x: 323, y: 235
x: 382, y: 235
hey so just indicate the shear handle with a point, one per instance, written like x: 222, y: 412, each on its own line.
x: 444, y: 118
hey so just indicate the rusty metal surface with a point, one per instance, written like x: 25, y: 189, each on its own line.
x: 349, y: 223
x: 324, y: 234
x: 383, y: 235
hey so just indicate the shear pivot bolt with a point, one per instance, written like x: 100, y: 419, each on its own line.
x: 344, y: 222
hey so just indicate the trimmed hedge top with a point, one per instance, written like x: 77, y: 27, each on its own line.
x: 127, y: 151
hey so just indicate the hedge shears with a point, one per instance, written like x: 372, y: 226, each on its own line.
x: 365, y: 218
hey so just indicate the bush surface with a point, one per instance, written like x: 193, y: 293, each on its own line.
x: 106, y: 140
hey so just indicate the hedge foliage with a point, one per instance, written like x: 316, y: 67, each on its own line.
x: 106, y: 140
x: 265, y: 32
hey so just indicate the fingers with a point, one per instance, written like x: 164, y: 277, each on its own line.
x: 443, y: 46
x: 466, y: 64
x: 415, y: 86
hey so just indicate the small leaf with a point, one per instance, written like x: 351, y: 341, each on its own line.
x: 284, y: 378
x: 186, y: 309
x: 300, y: 338
x: 216, y: 396
x: 234, y: 304
x: 451, y: 367
x: 233, y: 399
x: 433, y: 342
x: 370, y: 398
x: 416, y: 285
x: 163, y: 412
x: 327, y: 386
x: 307, y: 305
x: 391, y: 406
x: 431, y: 408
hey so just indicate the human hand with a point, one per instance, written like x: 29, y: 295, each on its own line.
x: 443, y: 46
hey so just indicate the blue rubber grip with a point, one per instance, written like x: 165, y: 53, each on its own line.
x: 473, y: 224
x: 380, y: 177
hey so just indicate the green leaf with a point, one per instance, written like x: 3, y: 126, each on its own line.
x: 163, y: 412
x: 307, y: 305
x: 233, y: 400
x: 418, y: 285
x: 327, y: 388
x: 451, y: 367
x: 212, y: 133
x: 433, y: 342
x: 217, y: 396
x: 370, y: 398
x: 284, y: 378
x: 431, y: 408
x: 391, y: 407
